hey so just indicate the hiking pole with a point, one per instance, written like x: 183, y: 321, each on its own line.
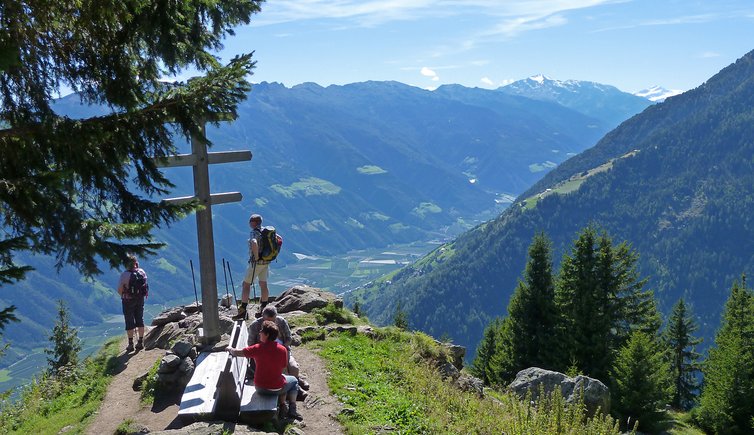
x: 226, y: 279
x: 194, y: 279
x: 233, y: 286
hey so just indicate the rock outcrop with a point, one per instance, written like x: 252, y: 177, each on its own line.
x: 596, y: 395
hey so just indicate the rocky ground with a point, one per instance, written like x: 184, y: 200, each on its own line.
x: 122, y: 403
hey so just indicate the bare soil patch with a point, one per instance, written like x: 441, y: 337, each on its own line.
x: 123, y: 403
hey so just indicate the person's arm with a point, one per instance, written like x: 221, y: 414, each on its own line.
x: 247, y: 352
x: 254, y: 249
x: 119, y: 288
x: 285, y: 332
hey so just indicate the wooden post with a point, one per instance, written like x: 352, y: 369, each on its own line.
x: 200, y: 160
x: 207, y: 271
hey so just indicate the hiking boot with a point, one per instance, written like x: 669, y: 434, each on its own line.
x: 139, y: 345
x: 303, y: 384
x: 130, y: 347
x: 292, y: 413
x: 241, y: 314
x: 301, y: 395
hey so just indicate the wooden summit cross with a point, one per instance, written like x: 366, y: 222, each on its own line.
x: 200, y: 160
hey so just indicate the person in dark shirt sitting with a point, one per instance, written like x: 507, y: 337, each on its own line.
x: 271, y: 358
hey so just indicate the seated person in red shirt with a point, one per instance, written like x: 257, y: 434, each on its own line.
x: 271, y: 358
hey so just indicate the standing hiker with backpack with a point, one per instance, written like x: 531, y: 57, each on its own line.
x: 264, y: 245
x: 133, y: 289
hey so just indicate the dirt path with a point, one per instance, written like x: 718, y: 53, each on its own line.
x: 321, y: 407
x: 123, y: 403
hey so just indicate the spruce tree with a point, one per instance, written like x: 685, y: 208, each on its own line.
x: 532, y: 316
x: 600, y: 302
x: 726, y: 405
x: 482, y: 366
x: 65, y: 343
x: 684, y: 360
x: 641, y: 385
x: 88, y: 189
x: 400, y: 318
x: 576, y: 304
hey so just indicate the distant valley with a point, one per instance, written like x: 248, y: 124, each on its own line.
x: 339, y: 169
x: 675, y: 182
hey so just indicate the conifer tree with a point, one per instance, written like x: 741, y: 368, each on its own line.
x: 400, y: 318
x: 65, y: 342
x: 600, y: 302
x: 529, y: 335
x: 684, y: 360
x: 727, y: 399
x: 641, y: 385
x: 82, y: 189
x: 482, y: 366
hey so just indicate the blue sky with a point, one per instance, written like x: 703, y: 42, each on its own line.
x: 630, y: 44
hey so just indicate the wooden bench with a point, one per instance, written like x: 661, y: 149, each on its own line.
x: 218, y: 387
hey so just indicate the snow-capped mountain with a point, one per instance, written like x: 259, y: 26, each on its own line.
x: 597, y: 100
x: 657, y: 94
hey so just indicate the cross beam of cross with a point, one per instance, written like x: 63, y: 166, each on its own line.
x: 200, y: 160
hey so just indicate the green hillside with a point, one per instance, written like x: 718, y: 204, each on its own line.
x: 676, y: 182
x: 335, y: 169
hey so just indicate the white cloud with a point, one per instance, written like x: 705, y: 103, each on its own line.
x: 487, y: 81
x: 426, y: 72
x: 435, y: 79
x: 370, y: 13
x: 709, y: 54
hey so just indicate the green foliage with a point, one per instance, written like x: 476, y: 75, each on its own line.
x: 332, y: 314
x: 529, y: 336
x: 600, y: 303
x: 313, y: 335
x: 51, y: 403
x: 383, y: 387
x: 125, y: 428
x: 641, y: 384
x: 727, y: 400
x: 65, y: 343
x: 400, y: 318
x: 684, y: 360
x: 149, y: 386
x: 77, y: 188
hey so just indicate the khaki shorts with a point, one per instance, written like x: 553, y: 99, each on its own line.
x: 261, y: 271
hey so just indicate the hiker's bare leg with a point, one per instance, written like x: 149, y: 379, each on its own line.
x: 246, y: 289
x: 141, y: 332
x: 265, y: 291
x: 130, y: 333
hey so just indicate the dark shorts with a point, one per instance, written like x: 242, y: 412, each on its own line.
x: 133, y: 311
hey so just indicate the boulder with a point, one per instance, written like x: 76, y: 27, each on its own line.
x: 596, y: 394
x: 161, y: 336
x: 226, y: 301
x: 182, y: 348
x: 305, y: 298
x: 456, y: 352
x: 192, y: 308
x: 170, y: 315
x: 169, y: 363
x: 471, y: 384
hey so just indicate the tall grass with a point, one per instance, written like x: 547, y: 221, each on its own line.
x: 51, y: 403
x: 383, y: 388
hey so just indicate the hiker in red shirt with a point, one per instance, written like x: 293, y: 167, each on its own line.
x: 271, y: 358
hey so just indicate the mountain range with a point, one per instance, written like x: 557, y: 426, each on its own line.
x: 335, y: 169
x: 676, y: 182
